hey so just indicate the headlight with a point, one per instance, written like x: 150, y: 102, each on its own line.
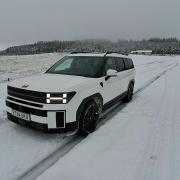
x: 59, y: 98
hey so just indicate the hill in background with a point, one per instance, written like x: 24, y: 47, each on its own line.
x: 158, y: 45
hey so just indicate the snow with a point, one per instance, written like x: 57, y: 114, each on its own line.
x: 137, y: 143
x: 13, y: 67
x: 139, y: 140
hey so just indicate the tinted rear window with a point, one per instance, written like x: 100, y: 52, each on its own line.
x: 128, y: 63
x: 131, y: 65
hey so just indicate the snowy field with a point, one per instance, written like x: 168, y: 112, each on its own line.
x: 135, y: 141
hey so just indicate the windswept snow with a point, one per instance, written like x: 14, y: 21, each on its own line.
x: 139, y: 142
x: 20, y: 66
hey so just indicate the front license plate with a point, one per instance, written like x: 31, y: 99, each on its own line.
x: 21, y: 115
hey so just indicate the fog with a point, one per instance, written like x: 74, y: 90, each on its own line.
x: 23, y: 21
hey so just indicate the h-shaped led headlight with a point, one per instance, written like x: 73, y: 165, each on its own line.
x: 59, y: 98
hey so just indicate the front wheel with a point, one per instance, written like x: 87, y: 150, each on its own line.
x: 89, y: 118
x: 130, y: 92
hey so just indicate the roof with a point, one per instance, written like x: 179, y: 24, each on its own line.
x: 99, y: 55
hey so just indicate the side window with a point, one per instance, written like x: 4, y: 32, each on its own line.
x: 119, y: 64
x: 126, y: 62
x: 131, y: 65
x: 110, y: 64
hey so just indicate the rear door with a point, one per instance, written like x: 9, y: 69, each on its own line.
x: 129, y: 66
x: 121, y: 74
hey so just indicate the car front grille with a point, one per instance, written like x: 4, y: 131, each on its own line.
x: 35, y: 96
x: 25, y: 102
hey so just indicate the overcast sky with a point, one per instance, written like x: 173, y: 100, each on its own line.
x: 27, y: 21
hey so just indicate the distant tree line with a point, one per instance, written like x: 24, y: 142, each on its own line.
x: 157, y: 45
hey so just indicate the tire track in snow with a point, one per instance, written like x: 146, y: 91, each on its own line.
x: 46, y: 163
x: 148, y: 83
x: 43, y: 165
x: 147, y: 70
x: 157, y: 164
x: 148, y: 162
x: 40, y: 167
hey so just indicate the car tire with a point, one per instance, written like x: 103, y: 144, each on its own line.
x: 88, y: 118
x: 130, y: 91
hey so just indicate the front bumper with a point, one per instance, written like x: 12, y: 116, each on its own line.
x: 69, y: 127
x: 48, y: 121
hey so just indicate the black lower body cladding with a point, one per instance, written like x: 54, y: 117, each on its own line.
x: 69, y: 127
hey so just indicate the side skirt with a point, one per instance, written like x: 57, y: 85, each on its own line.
x: 114, y: 101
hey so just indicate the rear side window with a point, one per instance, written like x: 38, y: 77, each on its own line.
x: 131, y: 65
x: 128, y: 63
x: 120, y: 64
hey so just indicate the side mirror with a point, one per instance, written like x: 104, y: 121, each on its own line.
x: 111, y: 73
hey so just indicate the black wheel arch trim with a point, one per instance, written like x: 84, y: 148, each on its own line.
x: 132, y: 81
x: 85, y: 101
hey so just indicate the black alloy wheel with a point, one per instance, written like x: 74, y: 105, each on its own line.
x: 89, y: 118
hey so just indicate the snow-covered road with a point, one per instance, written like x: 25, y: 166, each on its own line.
x: 137, y: 141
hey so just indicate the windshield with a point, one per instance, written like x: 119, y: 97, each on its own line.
x: 78, y: 66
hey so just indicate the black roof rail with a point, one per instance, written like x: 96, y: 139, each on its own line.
x: 106, y: 53
x: 77, y: 52
x: 111, y: 52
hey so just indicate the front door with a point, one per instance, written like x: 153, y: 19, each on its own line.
x: 111, y: 87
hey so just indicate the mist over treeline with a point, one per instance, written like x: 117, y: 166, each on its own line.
x: 157, y: 45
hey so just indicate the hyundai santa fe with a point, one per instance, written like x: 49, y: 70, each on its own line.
x: 72, y: 94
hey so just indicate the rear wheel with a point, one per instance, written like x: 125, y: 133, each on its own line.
x: 130, y: 92
x: 88, y: 118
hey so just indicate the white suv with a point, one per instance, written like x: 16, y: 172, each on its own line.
x: 72, y: 94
